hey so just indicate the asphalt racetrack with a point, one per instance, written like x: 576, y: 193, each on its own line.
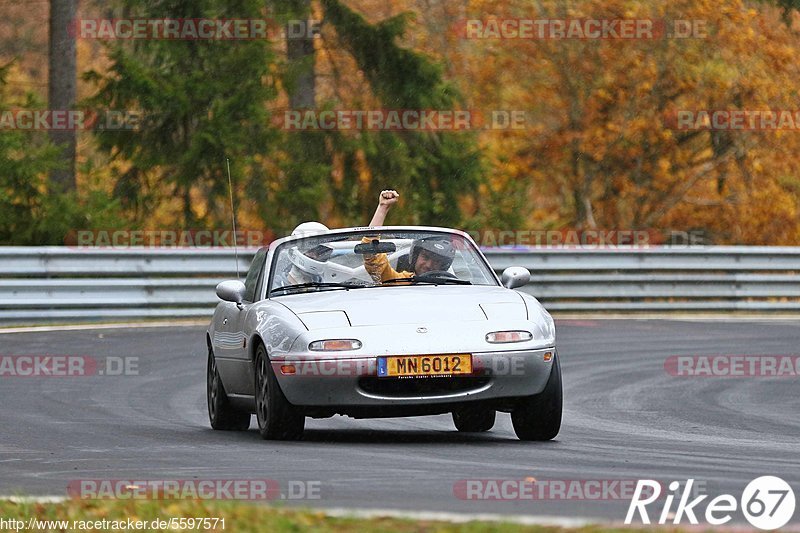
x: 626, y: 418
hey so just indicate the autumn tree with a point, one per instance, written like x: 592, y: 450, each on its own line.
x: 371, y: 69
x: 601, y: 148
x: 200, y: 102
x: 304, y: 168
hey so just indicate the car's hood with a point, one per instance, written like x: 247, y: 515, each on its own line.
x: 405, y: 305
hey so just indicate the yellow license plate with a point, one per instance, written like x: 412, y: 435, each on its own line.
x: 424, y: 365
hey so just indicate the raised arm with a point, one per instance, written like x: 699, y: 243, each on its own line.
x: 386, y: 199
x: 378, y: 265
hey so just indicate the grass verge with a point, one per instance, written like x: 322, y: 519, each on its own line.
x: 85, y: 515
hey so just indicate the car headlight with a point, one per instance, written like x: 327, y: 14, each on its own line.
x: 335, y: 345
x: 499, y: 337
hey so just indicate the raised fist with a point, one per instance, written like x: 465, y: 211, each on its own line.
x: 388, y: 197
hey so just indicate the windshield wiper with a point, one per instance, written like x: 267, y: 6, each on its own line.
x: 442, y: 280
x: 315, y: 285
x: 429, y: 280
x: 411, y: 280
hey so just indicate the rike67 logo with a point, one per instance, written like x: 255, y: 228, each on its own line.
x: 767, y: 502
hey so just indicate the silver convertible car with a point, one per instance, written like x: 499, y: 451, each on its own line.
x: 381, y: 322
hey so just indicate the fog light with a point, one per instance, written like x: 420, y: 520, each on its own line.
x: 498, y: 337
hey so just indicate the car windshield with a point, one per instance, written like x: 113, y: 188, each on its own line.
x: 376, y: 258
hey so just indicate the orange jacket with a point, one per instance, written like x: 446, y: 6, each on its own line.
x: 378, y: 266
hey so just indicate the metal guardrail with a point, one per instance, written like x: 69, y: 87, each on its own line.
x: 706, y: 279
x: 50, y: 284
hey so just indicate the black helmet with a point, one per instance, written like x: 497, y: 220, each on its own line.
x: 440, y: 247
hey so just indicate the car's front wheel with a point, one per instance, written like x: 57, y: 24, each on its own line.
x: 538, y: 417
x: 277, y: 418
x: 221, y: 413
x: 474, y: 420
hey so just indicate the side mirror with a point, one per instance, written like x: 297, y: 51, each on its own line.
x: 514, y: 277
x: 231, y: 291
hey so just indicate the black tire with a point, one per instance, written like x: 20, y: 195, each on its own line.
x: 277, y: 418
x: 538, y: 417
x: 221, y: 414
x: 474, y: 420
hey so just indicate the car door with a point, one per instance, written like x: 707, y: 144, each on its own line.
x: 235, y: 369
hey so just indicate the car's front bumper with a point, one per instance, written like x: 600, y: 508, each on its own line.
x: 325, y: 381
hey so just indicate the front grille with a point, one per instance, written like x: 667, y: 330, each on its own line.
x: 420, y: 386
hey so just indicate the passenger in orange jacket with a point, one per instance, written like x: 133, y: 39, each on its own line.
x: 430, y: 254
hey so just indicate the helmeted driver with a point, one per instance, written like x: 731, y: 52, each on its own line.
x: 307, y: 229
x: 296, y: 274
x: 429, y: 254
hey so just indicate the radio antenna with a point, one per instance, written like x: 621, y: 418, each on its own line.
x: 233, y: 219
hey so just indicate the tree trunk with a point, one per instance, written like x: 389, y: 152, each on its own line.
x: 62, y: 87
x: 302, y: 193
x: 300, y: 53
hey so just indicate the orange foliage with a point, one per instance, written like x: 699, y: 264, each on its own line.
x: 599, y: 148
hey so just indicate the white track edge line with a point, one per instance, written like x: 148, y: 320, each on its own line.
x: 120, y: 325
